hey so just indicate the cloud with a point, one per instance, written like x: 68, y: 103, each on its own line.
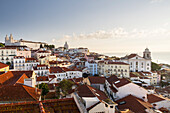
x: 115, y: 33
x: 155, y: 1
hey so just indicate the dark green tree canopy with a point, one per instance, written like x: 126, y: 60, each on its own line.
x: 155, y: 66
x: 44, y: 88
x: 65, y: 86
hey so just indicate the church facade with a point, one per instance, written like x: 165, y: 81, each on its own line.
x: 138, y: 63
x: 9, y: 41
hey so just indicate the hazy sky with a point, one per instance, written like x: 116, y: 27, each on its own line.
x: 101, y: 25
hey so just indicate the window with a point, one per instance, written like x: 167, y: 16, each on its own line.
x: 106, y: 105
x: 111, y: 106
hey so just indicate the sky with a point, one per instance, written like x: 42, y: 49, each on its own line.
x: 104, y: 26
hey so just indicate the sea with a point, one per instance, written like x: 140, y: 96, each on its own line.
x: 157, y: 57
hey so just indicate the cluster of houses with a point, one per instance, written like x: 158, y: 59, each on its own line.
x: 113, y: 85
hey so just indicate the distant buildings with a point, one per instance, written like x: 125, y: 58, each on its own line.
x: 10, y: 41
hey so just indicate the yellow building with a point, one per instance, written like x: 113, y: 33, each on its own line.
x: 120, y: 69
x: 4, y: 67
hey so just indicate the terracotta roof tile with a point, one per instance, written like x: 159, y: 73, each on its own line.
x: 11, y: 77
x: 152, y: 98
x: 18, y: 92
x: 97, y: 80
x: 42, y: 78
x: 2, y: 65
x: 133, y: 103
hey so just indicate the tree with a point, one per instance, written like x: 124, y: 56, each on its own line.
x: 65, y: 86
x: 44, y: 88
x: 2, y: 45
x: 51, y: 46
x: 8, y: 63
x: 155, y: 66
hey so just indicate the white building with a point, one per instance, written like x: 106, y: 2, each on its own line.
x: 119, y: 88
x: 7, y: 54
x: 40, y: 53
x: 83, y: 50
x: 9, y: 41
x: 64, y: 73
x: 94, y: 100
x: 22, y: 63
x: 92, y: 67
x: 138, y: 63
x: 120, y: 69
x: 41, y: 70
x: 158, y: 101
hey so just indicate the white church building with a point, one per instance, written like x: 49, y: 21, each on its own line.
x: 9, y: 41
x: 138, y: 63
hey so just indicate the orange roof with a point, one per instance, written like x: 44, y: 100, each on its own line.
x: 152, y: 98
x: 96, y: 80
x: 67, y: 105
x: 42, y: 78
x: 2, y: 65
x: 88, y: 91
x: 133, y: 103
x: 18, y: 92
x: 13, y: 77
x: 9, y: 78
x: 18, y: 57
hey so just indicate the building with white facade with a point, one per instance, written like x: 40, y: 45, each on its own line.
x: 7, y: 54
x: 9, y: 41
x: 92, y: 67
x: 120, y: 69
x: 41, y: 70
x: 40, y: 53
x: 119, y: 88
x: 22, y: 63
x: 64, y: 73
x: 138, y: 63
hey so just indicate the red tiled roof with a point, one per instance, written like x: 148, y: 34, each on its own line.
x: 56, y: 70
x: 41, y: 51
x: 30, y: 59
x: 18, y: 57
x: 42, y: 78
x: 11, y: 78
x: 112, y: 79
x: 132, y: 55
x: 2, y: 65
x: 51, y: 76
x: 97, y: 80
x: 152, y: 98
x: 84, y: 91
x: 18, y: 92
x: 116, y: 81
x: 41, y: 65
x: 133, y: 75
x: 134, y: 104
x: 121, y: 82
x: 88, y: 91
x: 121, y: 63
